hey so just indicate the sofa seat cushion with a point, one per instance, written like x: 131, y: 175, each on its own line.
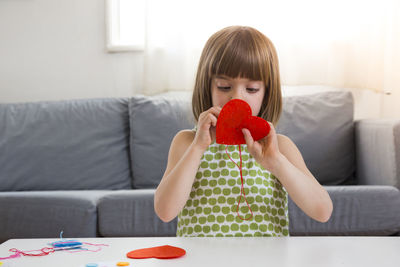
x: 357, y: 210
x: 44, y: 214
x: 134, y: 215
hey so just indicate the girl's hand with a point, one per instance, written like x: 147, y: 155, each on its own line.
x: 265, y: 151
x: 206, y: 124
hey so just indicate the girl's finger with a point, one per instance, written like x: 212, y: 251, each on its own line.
x: 272, y: 127
x: 212, y: 110
x: 211, y: 119
x: 247, y: 136
x: 215, y: 111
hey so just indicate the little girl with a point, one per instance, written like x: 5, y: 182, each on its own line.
x: 201, y: 184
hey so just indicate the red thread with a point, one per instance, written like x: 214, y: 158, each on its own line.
x: 43, y: 252
x: 242, y: 188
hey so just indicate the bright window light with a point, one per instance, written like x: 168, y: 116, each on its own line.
x: 126, y: 23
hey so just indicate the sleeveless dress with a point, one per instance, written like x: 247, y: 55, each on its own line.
x: 212, y: 208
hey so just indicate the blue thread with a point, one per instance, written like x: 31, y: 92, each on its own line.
x: 69, y: 243
x: 66, y: 244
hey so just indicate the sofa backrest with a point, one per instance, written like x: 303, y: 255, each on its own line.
x: 322, y: 127
x: 65, y: 145
x: 320, y: 124
x: 154, y: 121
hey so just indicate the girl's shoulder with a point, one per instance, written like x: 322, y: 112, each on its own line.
x: 181, y: 142
x: 289, y: 149
x: 179, y: 145
x: 282, y: 139
x: 285, y: 144
x: 185, y: 136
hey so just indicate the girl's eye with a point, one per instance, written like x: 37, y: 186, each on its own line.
x: 226, y: 88
x: 253, y: 90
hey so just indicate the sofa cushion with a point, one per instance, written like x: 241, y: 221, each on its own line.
x: 65, y: 145
x: 322, y: 127
x: 44, y: 214
x: 135, y: 215
x: 357, y: 210
x: 154, y: 121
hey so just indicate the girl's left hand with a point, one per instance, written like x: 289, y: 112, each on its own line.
x: 266, y: 150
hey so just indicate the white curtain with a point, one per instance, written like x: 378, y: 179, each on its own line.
x: 341, y: 43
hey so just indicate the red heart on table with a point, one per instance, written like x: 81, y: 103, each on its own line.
x: 161, y: 252
x: 235, y: 115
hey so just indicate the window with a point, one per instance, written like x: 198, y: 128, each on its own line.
x: 126, y: 23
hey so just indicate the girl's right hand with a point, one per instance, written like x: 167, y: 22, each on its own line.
x: 206, y: 124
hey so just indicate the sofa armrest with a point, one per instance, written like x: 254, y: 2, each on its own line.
x: 377, y: 144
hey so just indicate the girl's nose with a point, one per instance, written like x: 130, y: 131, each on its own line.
x: 237, y: 93
x: 236, y: 96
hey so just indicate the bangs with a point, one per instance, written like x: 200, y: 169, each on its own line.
x: 241, y: 57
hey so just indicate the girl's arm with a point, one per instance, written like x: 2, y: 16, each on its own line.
x: 300, y: 184
x: 175, y: 186
x: 184, y: 157
x: 279, y: 155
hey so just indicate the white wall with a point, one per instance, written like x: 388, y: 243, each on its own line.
x: 55, y: 49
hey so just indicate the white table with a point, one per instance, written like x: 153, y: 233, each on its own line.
x: 204, y: 252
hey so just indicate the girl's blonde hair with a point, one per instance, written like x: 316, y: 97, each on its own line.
x: 239, y: 51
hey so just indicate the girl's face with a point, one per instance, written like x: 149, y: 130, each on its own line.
x: 224, y: 88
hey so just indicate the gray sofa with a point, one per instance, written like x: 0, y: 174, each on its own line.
x: 89, y: 167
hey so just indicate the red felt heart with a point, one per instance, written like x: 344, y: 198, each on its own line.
x: 235, y: 115
x: 162, y: 252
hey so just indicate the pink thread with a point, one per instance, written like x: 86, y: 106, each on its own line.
x: 46, y: 250
x: 16, y: 255
x: 242, y: 188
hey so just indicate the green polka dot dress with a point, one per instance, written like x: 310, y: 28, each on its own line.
x: 212, y: 208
